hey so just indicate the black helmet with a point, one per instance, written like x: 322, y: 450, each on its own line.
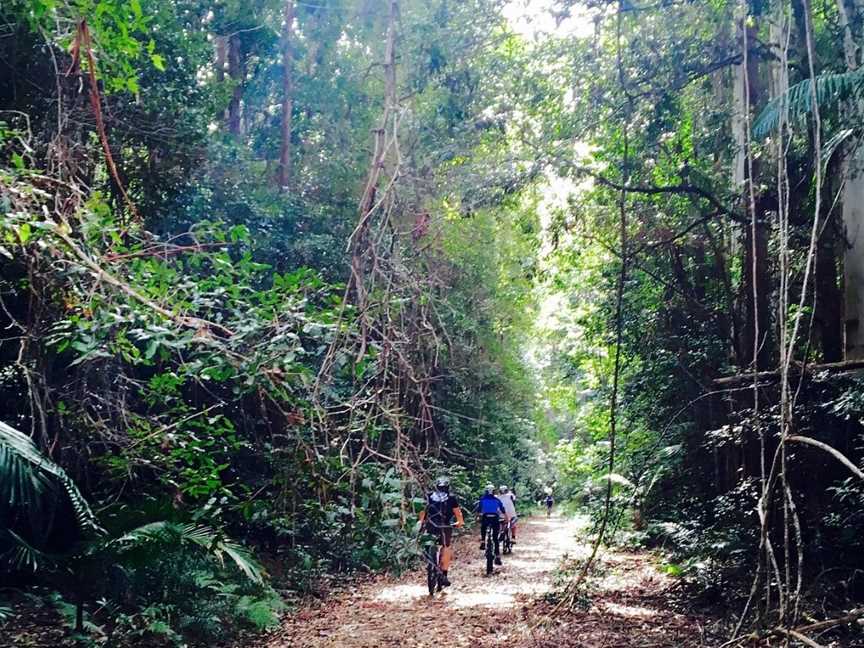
x: 443, y: 484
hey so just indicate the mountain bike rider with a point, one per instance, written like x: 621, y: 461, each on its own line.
x: 489, y: 508
x: 438, y: 520
x: 508, y: 499
x: 549, y: 502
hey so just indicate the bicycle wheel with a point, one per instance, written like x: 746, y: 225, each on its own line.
x: 490, y: 552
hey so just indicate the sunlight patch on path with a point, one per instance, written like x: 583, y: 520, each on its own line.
x: 526, y: 572
x: 402, y: 593
x: 629, y: 611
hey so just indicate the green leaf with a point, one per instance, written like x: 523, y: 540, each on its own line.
x: 24, y: 233
x: 151, y: 350
x: 158, y: 62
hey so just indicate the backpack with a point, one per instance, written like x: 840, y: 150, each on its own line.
x: 436, y: 506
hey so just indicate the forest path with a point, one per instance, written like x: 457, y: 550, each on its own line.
x: 481, y: 611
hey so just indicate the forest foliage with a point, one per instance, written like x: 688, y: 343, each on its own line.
x: 269, y: 267
x: 180, y: 332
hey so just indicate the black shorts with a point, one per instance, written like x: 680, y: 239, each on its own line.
x: 444, y: 535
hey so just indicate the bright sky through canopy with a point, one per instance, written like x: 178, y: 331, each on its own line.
x: 534, y: 18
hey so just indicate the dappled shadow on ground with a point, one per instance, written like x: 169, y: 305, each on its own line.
x: 627, y: 608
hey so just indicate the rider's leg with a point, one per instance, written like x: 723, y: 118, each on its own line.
x: 446, y: 553
x: 484, y: 524
x: 513, y: 531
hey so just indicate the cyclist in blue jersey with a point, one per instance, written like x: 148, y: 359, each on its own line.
x: 489, y: 508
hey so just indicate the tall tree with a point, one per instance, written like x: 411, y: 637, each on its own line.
x: 284, y: 175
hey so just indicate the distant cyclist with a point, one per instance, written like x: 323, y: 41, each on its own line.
x: 508, y: 499
x: 549, y: 502
x: 489, y: 508
x: 442, y: 509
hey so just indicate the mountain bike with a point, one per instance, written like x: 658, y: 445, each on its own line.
x: 489, y: 543
x: 506, y: 538
x: 432, y: 555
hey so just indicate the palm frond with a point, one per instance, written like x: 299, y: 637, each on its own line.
x: 27, y: 476
x: 831, y: 90
x: 174, y: 535
x: 242, y: 558
x: 830, y: 147
x: 21, y: 555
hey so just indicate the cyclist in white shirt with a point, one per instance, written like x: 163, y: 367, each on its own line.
x: 508, y: 499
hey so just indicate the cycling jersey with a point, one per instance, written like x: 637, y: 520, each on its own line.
x: 490, y: 505
x: 507, y: 501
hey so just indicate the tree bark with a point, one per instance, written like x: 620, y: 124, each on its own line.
x: 757, y: 310
x: 235, y: 71
x: 829, y: 300
x: 853, y: 208
x: 284, y: 176
x: 220, y: 45
x: 756, y: 339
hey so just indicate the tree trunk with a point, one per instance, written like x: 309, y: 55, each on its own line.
x: 756, y: 310
x: 829, y: 301
x: 220, y: 46
x: 853, y: 209
x: 853, y: 262
x: 829, y: 297
x: 235, y: 71
x: 747, y: 93
x: 284, y: 176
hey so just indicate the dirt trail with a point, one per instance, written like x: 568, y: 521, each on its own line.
x: 482, y: 611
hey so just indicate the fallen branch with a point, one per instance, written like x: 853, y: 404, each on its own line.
x: 199, y: 325
x: 854, y: 615
x: 798, y: 633
x: 839, y: 456
x: 797, y: 636
x: 833, y: 367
